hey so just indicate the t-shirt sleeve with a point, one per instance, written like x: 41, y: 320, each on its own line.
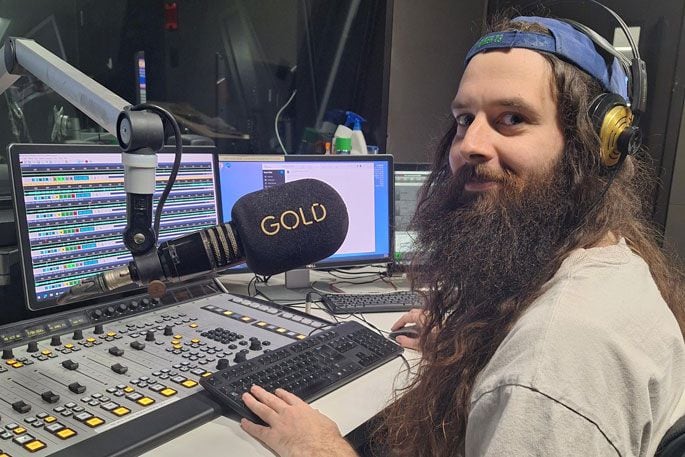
x: 514, y: 420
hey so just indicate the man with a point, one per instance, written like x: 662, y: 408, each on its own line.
x: 553, y: 322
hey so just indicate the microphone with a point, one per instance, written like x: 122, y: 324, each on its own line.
x: 273, y: 230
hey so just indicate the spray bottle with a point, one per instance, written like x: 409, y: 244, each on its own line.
x: 358, y: 142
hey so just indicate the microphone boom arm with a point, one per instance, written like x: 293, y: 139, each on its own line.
x: 140, y: 133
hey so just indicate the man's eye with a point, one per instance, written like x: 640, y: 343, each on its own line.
x: 511, y: 119
x: 464, y: 120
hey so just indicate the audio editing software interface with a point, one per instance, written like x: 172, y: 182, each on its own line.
x: 75, y: 212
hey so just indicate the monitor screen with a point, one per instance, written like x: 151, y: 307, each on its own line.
x: 364, y: 182
x: 409, y: 177
x: 71, y: 210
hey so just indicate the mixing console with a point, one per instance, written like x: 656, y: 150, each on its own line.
x: 117, y: 378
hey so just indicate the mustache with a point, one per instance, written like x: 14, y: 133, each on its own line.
x: 481, y: 173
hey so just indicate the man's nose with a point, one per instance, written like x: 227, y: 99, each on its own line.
x: 477, y: 145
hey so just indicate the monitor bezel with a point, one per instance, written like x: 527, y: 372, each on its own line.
x: 23, y: 242
x: 331, y: 264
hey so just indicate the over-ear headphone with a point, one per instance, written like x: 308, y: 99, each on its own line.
x: 615, y: 121
x: 615, y: 114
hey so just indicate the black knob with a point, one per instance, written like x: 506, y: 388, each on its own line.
x: 240, y: 357
x: 145, y: 302
x: 70, y: 364
x: 119, y: 368
x: 155, y: 301
x: 97, y: 314
x: 138, y: 345
x: 78, y: 335
x: 77, y: 388
x: 223, y: 363
x: 255, y: 345
x: 133, y: 305
x: 150, y: 336
x: 50, y: 396
x: 55, y: 340
x: 122, y: 308
x: 33, y: 347
x: 168, y: 330
x: 99, y: 329
x: 115, y: 351
x: 109, y: 310
x: 7, y: 354
x: 21, y: 407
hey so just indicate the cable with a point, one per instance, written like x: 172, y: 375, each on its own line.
x: 278, y: 114
x: 177, y: 158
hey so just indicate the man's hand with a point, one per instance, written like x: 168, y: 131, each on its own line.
x: 415, y: 316
x: 293, y: 427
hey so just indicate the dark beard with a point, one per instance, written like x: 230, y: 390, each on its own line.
x: 479, y: 250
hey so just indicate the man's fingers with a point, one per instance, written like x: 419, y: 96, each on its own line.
x: 269, y: 399
x: 255, y: 430
x: 289, y: 397
x: 265, y: 413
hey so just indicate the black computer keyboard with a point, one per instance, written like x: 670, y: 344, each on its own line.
x: 371, y: 303
x: 309, y: 368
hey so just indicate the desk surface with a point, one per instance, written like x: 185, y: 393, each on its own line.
x: 349, y: 406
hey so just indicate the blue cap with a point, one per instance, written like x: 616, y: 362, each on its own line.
x: 565, y: 42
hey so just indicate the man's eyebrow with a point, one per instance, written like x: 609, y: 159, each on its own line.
x: 510, y: 102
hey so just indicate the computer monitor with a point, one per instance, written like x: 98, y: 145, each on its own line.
x: 364, y: 182
x: 70, y: 208
x: 409, y: 177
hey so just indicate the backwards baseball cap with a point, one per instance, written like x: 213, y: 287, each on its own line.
x: 565, y: 42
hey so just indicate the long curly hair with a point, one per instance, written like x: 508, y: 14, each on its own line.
x: 429, y: 416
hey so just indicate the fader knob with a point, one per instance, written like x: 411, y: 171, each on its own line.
x: 99, y: 329
x: 55, y: 341
x: 97, y: 314
x: 150, y: 336
x: 255, y: 345
x: 133, y: 305
x: 145, y: 302
x: 223, y: 363
x: 7, y: 354
x: 168, y: 330
x: 109, y: 311
x: 78, y: 335
x: 33, y: 347
x: 122, y: 308
x: 240, y: 357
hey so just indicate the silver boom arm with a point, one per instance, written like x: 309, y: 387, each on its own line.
x: 140, y: 133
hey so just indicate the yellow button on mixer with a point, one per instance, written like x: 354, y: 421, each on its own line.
x: 49, y: 419
x: 35, y: 445
x: 177, y: 337
x: 18, y: 365
x: 227, y: 313
x: 11, y: 362
x: 121, y: 411
x: 195, y: 341
x: 261, y: 324
x: 193, y: 325
x: 189, y: 383
x: 145, y: 401
x: 19, y: 430
x: 94, y: 422
x: 177, y: 346
x: 168, y: 392
x: 90, y: 340
x: 128, y: 389
x: 206, y: 373
x: 111, y: 333
x: 175, y: 342
x: 68, y: 346
x: 46, y: 352
x: 65, y: 433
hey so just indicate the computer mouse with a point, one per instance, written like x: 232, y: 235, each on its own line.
x: 411, y: 331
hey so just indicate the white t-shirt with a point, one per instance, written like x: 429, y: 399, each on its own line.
x: 594, y: 367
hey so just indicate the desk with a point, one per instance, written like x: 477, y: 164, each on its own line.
x: 350, y: 406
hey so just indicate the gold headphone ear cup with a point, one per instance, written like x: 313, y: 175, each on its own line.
x: 610, y: 117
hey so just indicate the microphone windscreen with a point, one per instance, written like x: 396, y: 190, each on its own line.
x: 289, y: 226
